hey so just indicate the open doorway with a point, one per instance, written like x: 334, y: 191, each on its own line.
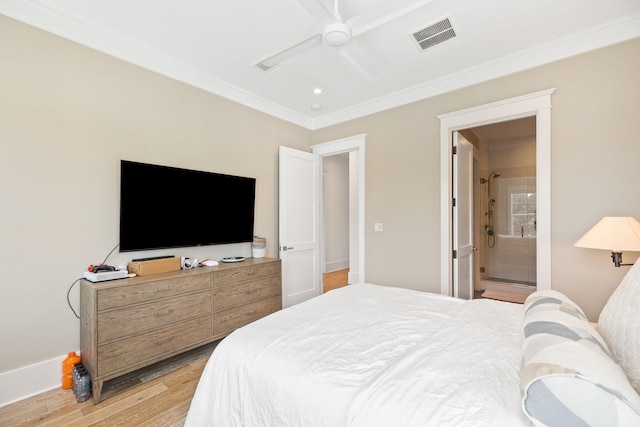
x: 353, y: 149
x: 505, y: 209
x: 536, y: 105
x: 336, y: 221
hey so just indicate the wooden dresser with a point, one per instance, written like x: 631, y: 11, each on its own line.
x: 129, y: 324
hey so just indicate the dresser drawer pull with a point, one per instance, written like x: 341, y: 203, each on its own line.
x: 168, y: 288
x: 251, y: 291
x: 162, y: 342
x: 251, y: 313
x: 166, y: 313
x: 249, y: 272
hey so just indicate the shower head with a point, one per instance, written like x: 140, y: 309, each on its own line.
x: 494, y: 174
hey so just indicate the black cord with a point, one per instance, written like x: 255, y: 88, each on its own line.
x: 68, y: 292
x: 77, y: 280
x: 107, y: 257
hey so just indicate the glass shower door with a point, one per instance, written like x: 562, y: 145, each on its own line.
x: 513, y: 259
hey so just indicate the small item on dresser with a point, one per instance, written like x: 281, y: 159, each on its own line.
x: 101, y: 267
x: 102, y: 276
x: 154, y: 266
x: 208, y: 263
x: 258, y: 247
x: 188, y: 263
x: 232, y: 259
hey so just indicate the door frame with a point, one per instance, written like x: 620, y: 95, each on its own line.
x: 339, y: 146
x: 536, y: 104
x: 463, y: 191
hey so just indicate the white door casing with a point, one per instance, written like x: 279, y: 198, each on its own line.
x: 463, y: 245
x: 299, y: 225
x: 355, y: 143
x: 536, y: 104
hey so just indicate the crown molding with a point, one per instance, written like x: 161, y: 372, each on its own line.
x: 33, y: 13
x: 595, y: 38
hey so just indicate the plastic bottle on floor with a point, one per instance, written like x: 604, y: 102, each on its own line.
x: 67, y: 369
x: 81, y: 383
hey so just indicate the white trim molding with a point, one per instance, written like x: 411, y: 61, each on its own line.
x: 536, y: 104
x: 345, y: 145
x: 31, y: 380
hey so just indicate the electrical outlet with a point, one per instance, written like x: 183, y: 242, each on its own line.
x: 377, y: 226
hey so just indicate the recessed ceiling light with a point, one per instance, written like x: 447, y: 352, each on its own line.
x: 317, y: 91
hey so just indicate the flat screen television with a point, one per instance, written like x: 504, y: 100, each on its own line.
x: 166, y: 207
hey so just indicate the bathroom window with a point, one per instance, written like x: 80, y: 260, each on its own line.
x: 523, y: 214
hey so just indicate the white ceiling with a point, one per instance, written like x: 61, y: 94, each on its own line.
x: 215, y: 45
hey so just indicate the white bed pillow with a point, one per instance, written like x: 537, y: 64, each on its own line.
x: 569, y: 376
x: 619, y: 325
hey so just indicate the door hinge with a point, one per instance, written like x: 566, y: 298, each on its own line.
x: 454, y: 202
x: 455, y: 254
x: 454, y: 150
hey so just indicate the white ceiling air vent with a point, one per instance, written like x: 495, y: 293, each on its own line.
x: 266, y: 64
x: 433, y: 34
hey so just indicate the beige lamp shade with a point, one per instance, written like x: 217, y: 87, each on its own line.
x: 613, y: 233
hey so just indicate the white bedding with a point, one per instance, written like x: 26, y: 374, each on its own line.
x: 368, y: 355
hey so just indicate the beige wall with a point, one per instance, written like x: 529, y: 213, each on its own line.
x: 69, y: 114
x: 595, y: 155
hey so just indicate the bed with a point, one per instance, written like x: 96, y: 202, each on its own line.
x: 369, y: 355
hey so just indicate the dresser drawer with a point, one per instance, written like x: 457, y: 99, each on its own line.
x: 227, y: 321
x: 149, y: 291
x: 137, y: 318
x: 152, y: 345
x: 245, y: 273
x: 225, y: 297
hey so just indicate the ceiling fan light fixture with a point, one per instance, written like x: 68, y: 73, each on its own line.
x: 336, y: 34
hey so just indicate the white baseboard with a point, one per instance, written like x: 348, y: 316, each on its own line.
x: 30, y: 380
x: 354, y: 277
x: 336, y: 265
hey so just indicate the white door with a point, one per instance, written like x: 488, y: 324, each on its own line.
x: 462, y: 217
x: 299, y: 225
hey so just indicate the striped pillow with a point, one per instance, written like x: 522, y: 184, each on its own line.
x: 569, y: 377
x: 619, y: 325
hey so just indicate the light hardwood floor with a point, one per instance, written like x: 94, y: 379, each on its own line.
x: 335, y: 279
x: 145, y: 399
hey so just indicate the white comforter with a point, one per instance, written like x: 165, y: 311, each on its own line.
x: 368, y: 355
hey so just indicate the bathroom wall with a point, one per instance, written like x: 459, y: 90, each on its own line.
x: 512, y: 257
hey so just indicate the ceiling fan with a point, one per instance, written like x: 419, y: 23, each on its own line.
x: 339, y: 35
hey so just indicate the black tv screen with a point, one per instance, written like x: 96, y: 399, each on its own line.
x: 167, y: 207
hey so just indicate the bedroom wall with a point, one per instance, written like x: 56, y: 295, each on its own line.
x: 594, y: 171
x: 68, y: 114
x: 336, y: 212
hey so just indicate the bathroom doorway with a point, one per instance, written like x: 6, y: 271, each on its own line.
x: 536, y: 104
x: 505, y: 200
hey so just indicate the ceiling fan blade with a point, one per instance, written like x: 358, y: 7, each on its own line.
x: 360, y: 59
x: 273, y: 60
x: 319, y: 11
x: 371, y: 19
